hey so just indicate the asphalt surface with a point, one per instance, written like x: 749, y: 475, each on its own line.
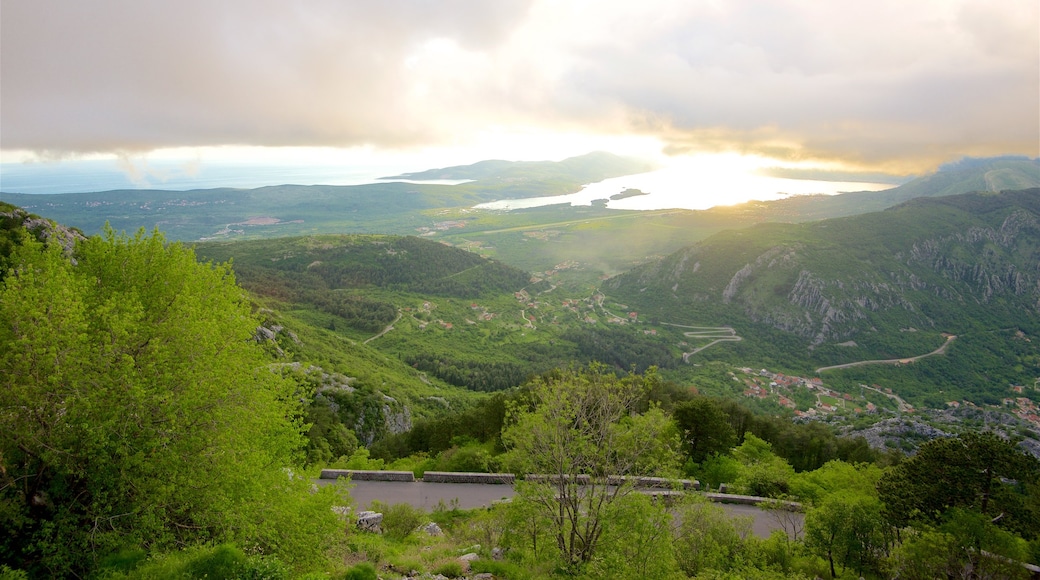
x: 427, y: 495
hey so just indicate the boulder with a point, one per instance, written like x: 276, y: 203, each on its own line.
x: 370, y: 521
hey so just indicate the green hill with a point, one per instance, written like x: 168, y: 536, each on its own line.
x: 877, y: 286
x: 991, y: 174
x: 586, y: 168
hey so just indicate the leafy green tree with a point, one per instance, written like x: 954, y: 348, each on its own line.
x: 966, y: 545
x: 704, y: 426
x: 581, y: 423
x: 847, y: 529
x: 706, y: 538
x: 718, y: 469
x: 835, y: 477
x: 136, y: 411
x: 762, y: 473
x: 637, y: 541
x: 975, y: 471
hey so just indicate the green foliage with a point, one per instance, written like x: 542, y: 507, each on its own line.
x: 449, y: 569
x: 848, y: 530
x: 704, y: 427
x: 223, y: 562
x: 621, y: 348
x: 705, y: 538
x: 362, y: 571
x: 358, y: 460
x: 762, y: 473
x: 307, y: 269
x: 953, y: 551
x: 400, y: 519
x: 155, y: 421
x: 976, y: 471
x: 482, y: 422
x: 718, y: 469
x: 504, y: 570
x: 836, y: 477
x: 636, y: 542
x: 575, y: 427
x: 471, y: 374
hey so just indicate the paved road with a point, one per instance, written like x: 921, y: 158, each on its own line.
x: 892, y: 361
x: 426, y: 495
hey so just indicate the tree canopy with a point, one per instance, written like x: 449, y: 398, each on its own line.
x: 135, y: 410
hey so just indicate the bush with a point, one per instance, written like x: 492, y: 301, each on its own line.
x: 400, y: 519
x: 122, y: 561
x: 363, y: 571
x: 504, y: 570
x: 449, y: 569
x: 215, y: 563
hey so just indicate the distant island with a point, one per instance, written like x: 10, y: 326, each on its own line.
x: 628, y: 193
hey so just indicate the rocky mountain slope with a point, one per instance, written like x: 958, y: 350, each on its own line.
x: 947, y: 264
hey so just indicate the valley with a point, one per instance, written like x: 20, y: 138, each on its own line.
x: 775, y: 354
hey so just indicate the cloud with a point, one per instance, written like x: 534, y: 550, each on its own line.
x: 883, y: 83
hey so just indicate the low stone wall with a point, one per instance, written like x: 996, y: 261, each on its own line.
x: 750, y: 500
x: 367, y: 475
x: 538, y: 478
x: 655, y: 482
x: 462, y: 477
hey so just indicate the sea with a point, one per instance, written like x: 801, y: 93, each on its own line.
x: 666, y: 188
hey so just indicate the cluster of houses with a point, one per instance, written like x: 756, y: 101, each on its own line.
x: 440, y: 227
x: 763, y: 384
x: 1022, y: 407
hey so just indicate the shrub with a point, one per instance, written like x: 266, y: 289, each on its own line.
x: 449, y: 569
x: 363, y: 571
x: 504, y: 570
x: 400, y: 519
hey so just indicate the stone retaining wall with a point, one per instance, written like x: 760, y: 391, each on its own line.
x: 537, y: 478
x: 463, y: 477
x: 367, y: 475
x: 655, y: 482
x: 749, y: 500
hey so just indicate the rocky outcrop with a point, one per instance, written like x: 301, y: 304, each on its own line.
x: 43, y: 230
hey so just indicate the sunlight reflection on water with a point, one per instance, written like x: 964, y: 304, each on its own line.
x: 689, y: 187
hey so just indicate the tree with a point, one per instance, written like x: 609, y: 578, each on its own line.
x: 706, y: 538
x: 581, y: 425
x: 704, y: 427
x: 847, y: 529
x: 980, y: 472
x: 762, y: 473
x: 637, y: 541
x: 136, y: 411
x: 966, y: 545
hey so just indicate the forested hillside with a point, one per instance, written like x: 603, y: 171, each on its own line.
x: 877, y: 286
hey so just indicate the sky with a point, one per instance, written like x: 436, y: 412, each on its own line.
x: 881, y: 86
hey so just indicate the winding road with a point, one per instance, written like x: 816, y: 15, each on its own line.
x: 388, y: 328
x: 891, y: 361
x: 719, y: 333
